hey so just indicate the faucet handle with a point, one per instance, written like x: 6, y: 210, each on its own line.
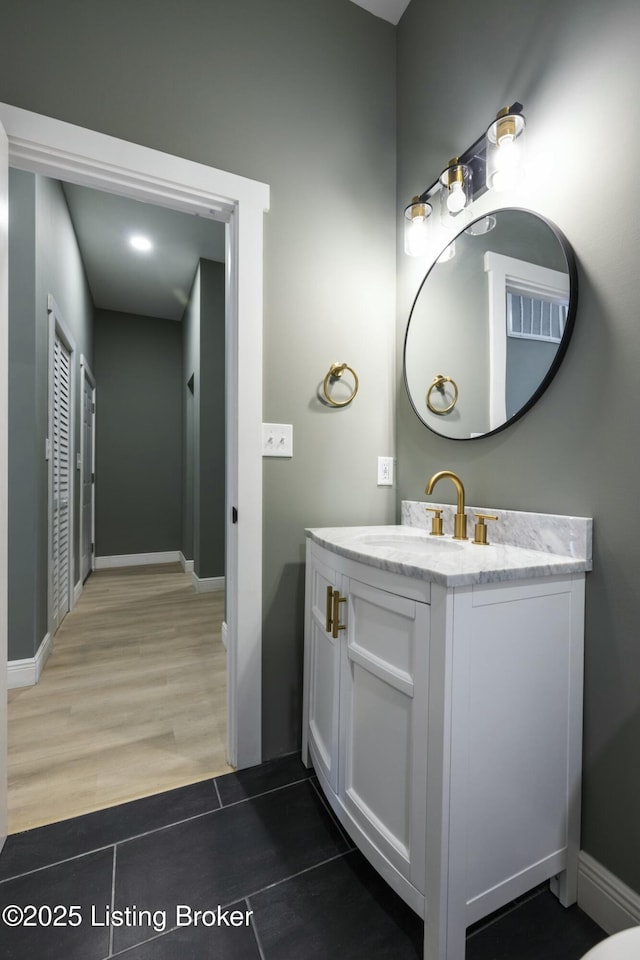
x: 436, y: 521
x: 480, y: 530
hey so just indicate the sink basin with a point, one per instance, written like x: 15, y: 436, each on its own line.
x: 410, y: 543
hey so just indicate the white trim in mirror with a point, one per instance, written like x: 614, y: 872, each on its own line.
x: 510, y: 275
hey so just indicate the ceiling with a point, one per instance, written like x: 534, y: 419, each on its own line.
x: 390, y: 10
x: 153, y: 284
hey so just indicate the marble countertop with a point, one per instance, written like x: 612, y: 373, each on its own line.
x: 413, y: 552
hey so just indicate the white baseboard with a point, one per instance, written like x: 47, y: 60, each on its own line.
x: 207, y: 584
x: 26, y: 673
x: 137, y: 559
x: 611, y: 903
x: 223, y: 633
x: 187, y: 565
x: 77, y: 591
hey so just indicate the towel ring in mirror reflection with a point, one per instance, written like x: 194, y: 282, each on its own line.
x: 335, y: 373
x: 438, y: 384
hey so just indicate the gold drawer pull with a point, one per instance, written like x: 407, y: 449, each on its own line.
x: 328, y: 621
x: 337, y: 626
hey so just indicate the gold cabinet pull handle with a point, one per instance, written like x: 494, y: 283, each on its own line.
x: 328, y: 621
x: 438, y: 384
x: 335, y: 372
x: 337, y: 626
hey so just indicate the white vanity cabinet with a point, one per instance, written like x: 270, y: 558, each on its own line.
x: 322, y: 668
x: 444, y: 725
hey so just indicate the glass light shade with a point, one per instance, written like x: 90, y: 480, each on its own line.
x: 455, y: 190
x: 479, y: 227
x: 504, y: 151
x: 416, y: 229
x: 448, y: 253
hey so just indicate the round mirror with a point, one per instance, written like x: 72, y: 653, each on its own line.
x: 490, y: 324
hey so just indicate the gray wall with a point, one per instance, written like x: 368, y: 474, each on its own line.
x: 209, y: 529
x: 59, y: 271
x: 22, y: 415
x: 138, y: 370
x: 575, y: 452
x: 203, y: 464
x: 299, y: 94
x: 45, y: 259
x: 452, y: 308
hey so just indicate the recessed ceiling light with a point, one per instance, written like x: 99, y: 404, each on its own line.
x: 140, y: 243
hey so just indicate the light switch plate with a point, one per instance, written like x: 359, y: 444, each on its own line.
x: 277, y: 440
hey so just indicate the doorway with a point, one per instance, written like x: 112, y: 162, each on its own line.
x: 138, y: 672
x: 40, y: 144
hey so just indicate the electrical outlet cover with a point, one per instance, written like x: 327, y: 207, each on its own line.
x: 385, y: 471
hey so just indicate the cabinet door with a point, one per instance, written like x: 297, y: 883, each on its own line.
x: 521, y: 731
x: 323, y: 654
x: 383, y: 719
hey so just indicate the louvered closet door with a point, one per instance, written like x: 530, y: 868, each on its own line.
x: 60, y: 454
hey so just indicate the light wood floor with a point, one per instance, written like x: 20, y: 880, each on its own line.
x: 131, y: 702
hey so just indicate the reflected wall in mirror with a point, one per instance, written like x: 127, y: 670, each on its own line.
x: 490, y: 324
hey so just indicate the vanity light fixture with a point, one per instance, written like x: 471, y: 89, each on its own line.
x: 416, y: 227
x: 492, y: 162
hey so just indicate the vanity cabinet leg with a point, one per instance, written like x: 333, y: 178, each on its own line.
x: 565, y: 885
x: 445, y: 944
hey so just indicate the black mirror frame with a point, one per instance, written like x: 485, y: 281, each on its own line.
x: 562, y: 347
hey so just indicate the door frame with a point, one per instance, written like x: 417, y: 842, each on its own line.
x: 58, y: 328
x: 4, y: 474
x: 508, y: 275
x: 86, y: 375
x: 75, y: 154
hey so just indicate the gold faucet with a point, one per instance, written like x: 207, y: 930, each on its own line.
x: 460, y: 520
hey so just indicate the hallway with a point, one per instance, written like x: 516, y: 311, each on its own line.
x: 132, y: 701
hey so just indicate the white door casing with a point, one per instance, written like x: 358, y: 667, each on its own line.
x: 4, y: 473
x: 66, y: 152
x: 60, y: 452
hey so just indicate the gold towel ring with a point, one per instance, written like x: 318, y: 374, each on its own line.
x: 438, y: 384
x: 335, y: 372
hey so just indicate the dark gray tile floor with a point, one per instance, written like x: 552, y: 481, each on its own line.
x: 263, y: 861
